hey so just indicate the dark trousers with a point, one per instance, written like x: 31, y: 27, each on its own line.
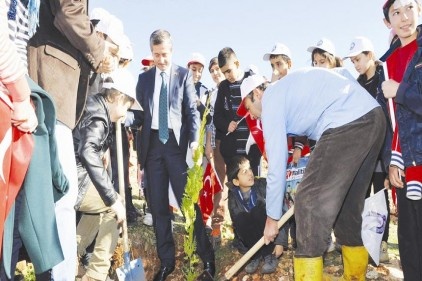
x: 409, y: 230
x: 378, y: 182
x: 333, y: 188
x: 164, y: 163
x: 249, y: 233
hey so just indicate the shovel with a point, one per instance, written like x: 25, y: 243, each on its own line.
x: 131, y: 270
x: 235, y: 268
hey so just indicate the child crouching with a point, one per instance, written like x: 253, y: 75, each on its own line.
x: 248, y: 213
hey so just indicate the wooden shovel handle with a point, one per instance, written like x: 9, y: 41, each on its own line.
x: 120, y: 174
x: 235, y: 268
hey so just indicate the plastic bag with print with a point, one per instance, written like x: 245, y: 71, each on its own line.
x: 374, y: 220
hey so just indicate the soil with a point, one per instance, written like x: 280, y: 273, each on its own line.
x: 143, y: 246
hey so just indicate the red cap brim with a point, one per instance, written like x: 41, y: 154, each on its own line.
x: 146, y: 62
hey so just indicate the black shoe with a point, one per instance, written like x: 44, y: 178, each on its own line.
x: 238, y: 244
x: 210, y: 268
x: 162, y: 274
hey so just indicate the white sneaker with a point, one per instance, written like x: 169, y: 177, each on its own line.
x: 331, y: 247
x: 384, y: 252
x: 147, y: 220
x: 331, y: 244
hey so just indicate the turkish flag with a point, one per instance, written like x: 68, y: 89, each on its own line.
x: 211, y: 185
x: 15, y: 154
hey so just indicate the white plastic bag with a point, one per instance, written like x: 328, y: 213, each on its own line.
x: 374, y: 220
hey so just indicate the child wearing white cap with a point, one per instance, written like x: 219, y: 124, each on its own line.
x: 280, y: 60
x: 196, y: 66
x: 324, y: 54
x: 362, y: 55
x: 102, y: 209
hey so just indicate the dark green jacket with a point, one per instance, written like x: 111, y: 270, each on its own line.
x: 44, y: 184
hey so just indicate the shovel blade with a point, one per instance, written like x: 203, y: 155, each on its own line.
x: 134, y: 271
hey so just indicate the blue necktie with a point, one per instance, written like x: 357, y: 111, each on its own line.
x: 163, y: 128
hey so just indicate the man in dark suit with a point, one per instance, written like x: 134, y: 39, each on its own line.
x: 60, y: 56
x: 170, y: 123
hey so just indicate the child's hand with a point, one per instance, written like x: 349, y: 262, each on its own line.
x: 278, y: 251
x: 119, y: 210
x: 297, y: 152
x: 23, y: 116
x: 396, y: 174
x: 389, y: 88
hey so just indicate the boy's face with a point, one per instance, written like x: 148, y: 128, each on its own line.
x: 216, y: 74
x: 231, y: 70
x: 162, y: 55
x: 404, y: 19
x: 362, y: 62
x: 245, y: 176
x: 279, y: 66
x: 119, y: 108
x: 196, y: 69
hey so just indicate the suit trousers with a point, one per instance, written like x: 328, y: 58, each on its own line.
x: 333, y: 188
x: 164, y: 163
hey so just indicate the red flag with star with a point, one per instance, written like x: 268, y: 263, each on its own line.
x: 211, y: 185
x: 15, y: 154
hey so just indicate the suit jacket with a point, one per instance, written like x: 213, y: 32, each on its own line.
x: 184, y: 117
x: 61, y: 54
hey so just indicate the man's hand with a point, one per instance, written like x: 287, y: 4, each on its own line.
x: 23, y: 116
x: 107, y: 65
x: 395, y: 174
x: 270, y: 231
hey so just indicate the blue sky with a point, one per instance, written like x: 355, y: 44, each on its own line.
x: 250, y: 27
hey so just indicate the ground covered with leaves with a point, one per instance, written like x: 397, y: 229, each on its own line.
x: 143, y: 246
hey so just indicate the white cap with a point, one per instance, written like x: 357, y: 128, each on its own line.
x: 278, y: 49
x: 360, y: 44
x: 197, y: 58
x: 125, y: 48
x: 249, y: 84
x: 124, y: 82
x: 99, y: 14
x: 324, y: 44
x: 113, y: 28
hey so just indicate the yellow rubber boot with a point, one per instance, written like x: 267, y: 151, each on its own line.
x: 308, y: 269
x: 355, y: 263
